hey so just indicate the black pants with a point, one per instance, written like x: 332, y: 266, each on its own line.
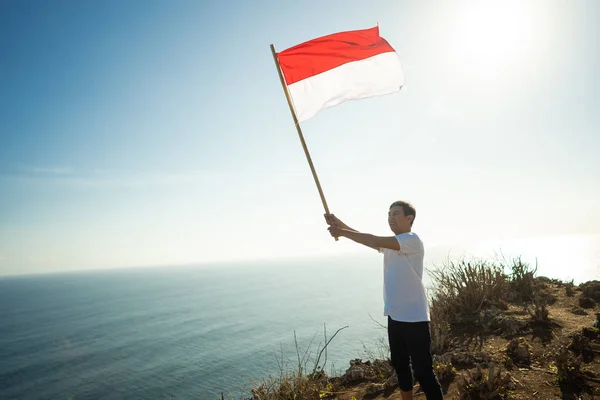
x: 410, y: 343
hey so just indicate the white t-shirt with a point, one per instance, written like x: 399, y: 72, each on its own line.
x: 404, y: 295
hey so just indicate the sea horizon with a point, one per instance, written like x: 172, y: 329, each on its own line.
x: 531, y: 249
x: 183, y: 332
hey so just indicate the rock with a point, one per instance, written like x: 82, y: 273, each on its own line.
x: 522, y: 353
x: 358, y: 371
x: 391, y: 381
x: 596, y: 323
x: 519, y: 350
x: 383, y: 367
x: 374, y: 388
x: 508, y: 326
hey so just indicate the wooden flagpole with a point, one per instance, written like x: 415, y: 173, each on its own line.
x: 289, y: 100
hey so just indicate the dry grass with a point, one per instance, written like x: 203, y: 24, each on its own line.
x: 463, y: 288
x: 522, y: 279
x: 300, y: 384
x: 294, y: 386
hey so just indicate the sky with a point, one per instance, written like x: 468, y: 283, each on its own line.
x: 157, y: 133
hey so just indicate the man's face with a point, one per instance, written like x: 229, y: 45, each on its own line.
x: 397, y: 221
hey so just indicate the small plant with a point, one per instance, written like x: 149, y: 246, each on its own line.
x: 508, y: 362
x: 569, y: 288
x: 539, y: 313
x: 443, y: 368
x: 522, y: 279
x: 581, y: 345
x: 479, y: 386
x: 440, y: 329
x: 298, y: 384
x: 558, y: 282
x: 567, y: 368
x: 286, y: 387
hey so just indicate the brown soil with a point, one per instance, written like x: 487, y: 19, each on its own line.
x: 538, y: 379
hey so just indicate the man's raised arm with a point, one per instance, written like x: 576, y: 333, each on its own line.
x: 366, y: 239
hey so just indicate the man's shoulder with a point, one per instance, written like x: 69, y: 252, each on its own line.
x: 410, y: 243
x: 413, y: 236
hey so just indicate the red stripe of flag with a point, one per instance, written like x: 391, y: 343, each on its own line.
x: 325, y: 53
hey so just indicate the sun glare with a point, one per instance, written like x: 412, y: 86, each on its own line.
x: 489, y: 39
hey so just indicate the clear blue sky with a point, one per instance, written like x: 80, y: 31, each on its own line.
x: 155, y: 132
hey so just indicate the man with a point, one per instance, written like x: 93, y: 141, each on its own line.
x: 405, y: 301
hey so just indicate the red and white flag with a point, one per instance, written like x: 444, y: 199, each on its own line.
x: 332, y: 69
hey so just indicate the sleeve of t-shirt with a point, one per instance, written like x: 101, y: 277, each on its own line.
x: 409, y: 243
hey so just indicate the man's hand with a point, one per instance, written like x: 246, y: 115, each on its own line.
x: 337, y: 228
x: 335, y: 231
x: 332, y: 220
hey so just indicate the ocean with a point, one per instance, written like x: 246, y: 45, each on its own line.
x: 194, y: 332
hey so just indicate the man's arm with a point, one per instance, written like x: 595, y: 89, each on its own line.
x: 375, y: 242
x: 332, y: 220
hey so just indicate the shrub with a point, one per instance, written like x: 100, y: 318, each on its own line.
x: 289, y: 387
x: 590, y: 294
x: 586, y: 302
x: 522, y: 279
x: 581, y: 345
x: 567, y: 368
x: 479, y: 386
x: 539, y: 313
x: 569, y: 288
x: 463, y: 288
x: 591, y: 289
x: 590, y: 333
x: 443, y: 368
x: 439, y: 328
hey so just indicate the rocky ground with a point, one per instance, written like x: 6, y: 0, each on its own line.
x: 549, y: 350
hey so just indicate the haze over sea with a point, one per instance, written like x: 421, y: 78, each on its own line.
x: 196, y: 331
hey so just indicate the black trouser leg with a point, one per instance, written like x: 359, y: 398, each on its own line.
x: 416, y: 338
x: 419, y: 349
x: 399, y: 355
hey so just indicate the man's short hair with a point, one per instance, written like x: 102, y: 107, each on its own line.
x: 407, y: 208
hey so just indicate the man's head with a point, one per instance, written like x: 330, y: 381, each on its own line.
x: 401, y: 217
